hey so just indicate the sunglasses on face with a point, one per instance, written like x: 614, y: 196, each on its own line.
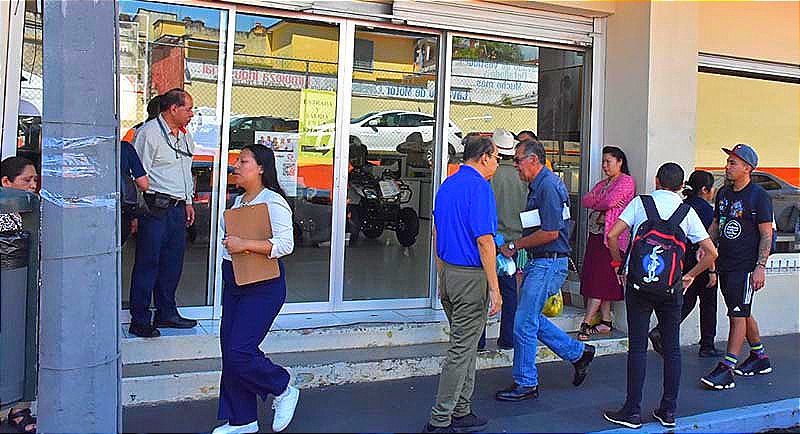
x: 518, y: 160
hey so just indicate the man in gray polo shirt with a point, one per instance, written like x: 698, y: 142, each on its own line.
x: 166, y: 150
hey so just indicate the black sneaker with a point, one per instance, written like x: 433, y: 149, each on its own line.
x: 720, y: 378
x: 666, y: 418
x: 655, y: 339
x: 144, y: 330
x: 438, y: 429
x: 753, y: 365
x: 469, y: 423
x: 624, y: 418
x: 582, y: 365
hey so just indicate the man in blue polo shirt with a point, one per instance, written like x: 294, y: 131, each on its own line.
x: 545, y: 237
x: 465, y: 221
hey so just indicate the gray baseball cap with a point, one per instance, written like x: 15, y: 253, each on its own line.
x: 745, y: 153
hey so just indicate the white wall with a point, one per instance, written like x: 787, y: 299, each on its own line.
x: 776, y: 307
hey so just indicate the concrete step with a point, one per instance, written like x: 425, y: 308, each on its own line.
x: 321, y: 338
x: 155, y: 382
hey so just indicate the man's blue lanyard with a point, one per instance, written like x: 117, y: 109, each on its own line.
x: 178, y: 151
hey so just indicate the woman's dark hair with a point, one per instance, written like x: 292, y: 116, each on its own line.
x: 12, y: 167
x: 697, y: 180
x: 154, y: 107
x: 619, y: 155
x: 265, y: 158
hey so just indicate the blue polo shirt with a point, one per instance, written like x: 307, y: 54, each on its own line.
x: 464, y: 210
x: 548, y: 195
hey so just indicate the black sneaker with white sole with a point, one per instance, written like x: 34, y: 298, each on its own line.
x: 720, y: 378
x: 754, y: 365
x: 665, y: 418
x: 624, y: 418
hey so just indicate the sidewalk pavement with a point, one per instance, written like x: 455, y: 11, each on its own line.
x: 404, y: 405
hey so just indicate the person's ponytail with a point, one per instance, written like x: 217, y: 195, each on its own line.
x: 697, y: 181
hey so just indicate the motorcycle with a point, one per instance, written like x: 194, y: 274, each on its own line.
x: 375, y: 204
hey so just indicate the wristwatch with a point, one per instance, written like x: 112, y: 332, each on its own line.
x: 511, y: 246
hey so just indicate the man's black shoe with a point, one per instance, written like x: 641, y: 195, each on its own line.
x: 582, y: 365
x: 655, y: 339
x: 428, y: 428
x: 175, y: 322
x: 517, y: 393
x: 720, y: 378
x: 666, y: 418
x: 469, y: 423
x: 708, y: 352
x: 624, y: 418
x: 143, y: 330
x: 504, y: 346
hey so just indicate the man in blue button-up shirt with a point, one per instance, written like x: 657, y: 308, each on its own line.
x: 545, y: 236
x: 465, y: 221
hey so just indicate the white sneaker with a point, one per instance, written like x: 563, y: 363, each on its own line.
x: 284, y: 406
x: 236, y: 429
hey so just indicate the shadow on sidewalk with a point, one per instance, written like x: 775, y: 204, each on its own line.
x: 404, y: 405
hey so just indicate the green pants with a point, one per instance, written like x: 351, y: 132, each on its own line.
x: 465, y: 301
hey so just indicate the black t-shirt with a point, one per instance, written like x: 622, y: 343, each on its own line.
x: 706, y: 213
x: 739, y: 213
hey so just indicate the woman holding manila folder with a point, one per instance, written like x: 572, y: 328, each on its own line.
x: 248, y: 310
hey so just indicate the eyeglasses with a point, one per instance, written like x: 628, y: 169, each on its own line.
x: 518, y: 160
x: 495, y: 156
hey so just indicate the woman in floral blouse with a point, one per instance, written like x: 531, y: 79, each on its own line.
x: 605, y: 202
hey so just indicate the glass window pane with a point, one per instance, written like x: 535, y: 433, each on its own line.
x: 520, y: 88
x: 161, y: 46
x: 391, y: 154
x: 284, y: 97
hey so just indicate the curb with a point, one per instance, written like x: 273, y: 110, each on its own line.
x: 157, y: 389
x: 753, y: 418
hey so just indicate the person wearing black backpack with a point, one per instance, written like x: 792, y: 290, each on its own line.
x: 653, y: 280
x: 743, y: 227
x: 699, y: 191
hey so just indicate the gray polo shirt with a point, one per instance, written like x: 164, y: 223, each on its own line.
x: 168, y: 167
x: 510, y: 195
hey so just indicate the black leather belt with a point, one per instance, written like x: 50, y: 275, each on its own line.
x: 171, y: 201
x: 551, y: 255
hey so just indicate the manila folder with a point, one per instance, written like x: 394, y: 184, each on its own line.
x: 251, y: 223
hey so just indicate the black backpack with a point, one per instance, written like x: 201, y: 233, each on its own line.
x: 656, y: 253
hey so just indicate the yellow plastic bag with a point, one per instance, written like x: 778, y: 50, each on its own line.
x: 554, y: 305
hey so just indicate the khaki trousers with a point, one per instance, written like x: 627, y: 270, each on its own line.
x: 465, y: 299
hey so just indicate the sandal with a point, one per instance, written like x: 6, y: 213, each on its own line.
x: 586, y: 333
x: 583, y: 333
x: 22, y: 420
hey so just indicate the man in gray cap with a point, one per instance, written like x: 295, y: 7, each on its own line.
x: 510, y: 195
x: 742, y: 227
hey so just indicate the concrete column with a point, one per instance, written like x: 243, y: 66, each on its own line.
x: 651, y: 85
x: 651, y: 89
x: 79, y: 370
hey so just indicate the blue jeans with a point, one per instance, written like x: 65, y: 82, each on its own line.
x: 508, y: 293
x: 160, y: 244
x: 543, y: 278
x: 247, y: 373
x: 640, y: 307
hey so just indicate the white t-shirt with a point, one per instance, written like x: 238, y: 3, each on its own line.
x: 666, y: 203
x: 280, y: 216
